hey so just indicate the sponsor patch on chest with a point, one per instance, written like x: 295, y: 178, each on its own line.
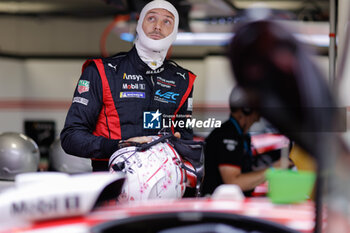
x: 165, y: 83
x: 166, y: 96
x: 134, y: 86
x: 133, y: 77
x: 157, y: 71
x: 133, y: 94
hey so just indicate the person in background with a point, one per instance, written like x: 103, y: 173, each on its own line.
x: 228, y: 155
x: 123, y: 98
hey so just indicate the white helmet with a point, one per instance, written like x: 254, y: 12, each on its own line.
x: 18, y: 154
x: 63, y: 162
x: 150, y: 174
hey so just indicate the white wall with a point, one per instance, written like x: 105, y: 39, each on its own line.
x: 51, y: 79
x: 47, y: 36
x: 11, y: 75
x: 11, y: 87
x: 214, y: 80
x: 35, y: 90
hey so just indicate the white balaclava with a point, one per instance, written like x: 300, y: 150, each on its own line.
x: 153, y: 52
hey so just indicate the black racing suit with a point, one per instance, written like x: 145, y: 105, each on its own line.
x: 121, y: 97
x: 226, y: 145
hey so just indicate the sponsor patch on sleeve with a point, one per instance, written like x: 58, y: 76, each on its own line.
x: 230, y: 144
x: 132, y: 94
x: 80, y: 100
x: 190, y: 104
x: 83, y: 86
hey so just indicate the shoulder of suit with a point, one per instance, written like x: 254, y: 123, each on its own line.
x: 114, y: 61
x: 178, y: 67
x: 115, y: 58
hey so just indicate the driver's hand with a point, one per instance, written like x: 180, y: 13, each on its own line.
x: 142, y: 139
x: 177, y: 134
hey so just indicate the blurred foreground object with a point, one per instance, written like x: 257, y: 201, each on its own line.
x: 282, y: 81
x: 288, y: 186
x: 278, y: 75
x: 302, y: 160
x: 63, y: 162
x: 49, y: 195
x: 18, y: 154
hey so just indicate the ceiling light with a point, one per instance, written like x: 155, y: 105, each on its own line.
x: 222, y: 39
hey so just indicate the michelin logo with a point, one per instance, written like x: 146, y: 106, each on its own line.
x: 151, y: 120
x: 132, y: 94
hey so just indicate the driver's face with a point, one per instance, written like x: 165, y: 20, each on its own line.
x: 158, y: 23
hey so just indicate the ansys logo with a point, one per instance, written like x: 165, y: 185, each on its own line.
x: 151, y: 120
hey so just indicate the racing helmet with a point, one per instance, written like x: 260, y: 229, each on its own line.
x: 154, y: 173
x: 18, y: 154
x: 62, y: 162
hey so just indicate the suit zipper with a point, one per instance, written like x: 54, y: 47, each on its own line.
x: 152, y: 91
x: 152, y: 80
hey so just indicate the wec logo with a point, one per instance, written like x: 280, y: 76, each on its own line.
x: 169, y: 95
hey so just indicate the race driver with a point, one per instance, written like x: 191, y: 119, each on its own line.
x: 126, y: 97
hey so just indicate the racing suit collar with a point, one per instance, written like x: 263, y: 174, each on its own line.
x: 142, y: 66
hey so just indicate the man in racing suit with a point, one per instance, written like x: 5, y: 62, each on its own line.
x: 130, y: 95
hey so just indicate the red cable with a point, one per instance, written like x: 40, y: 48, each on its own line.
x: 108, y: 29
